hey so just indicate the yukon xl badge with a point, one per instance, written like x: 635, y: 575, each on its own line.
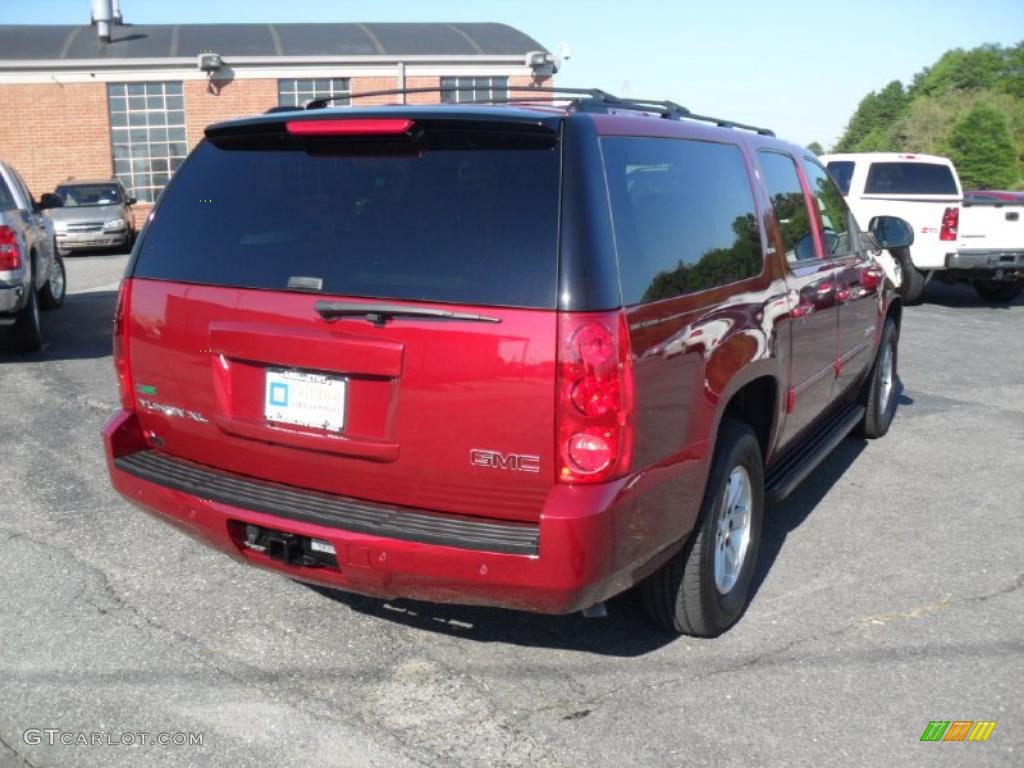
x: 519, y: 462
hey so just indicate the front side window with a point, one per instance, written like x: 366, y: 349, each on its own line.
x: 789, y: 204
x: 147, y: 135
x: 683, y: 213
x: 835, y: 216
x: 297, y: 93
x: 469, y: 89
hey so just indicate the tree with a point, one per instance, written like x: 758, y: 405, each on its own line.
x: 876, y: 114
x: 816, y: 148
x: 921, y: 117
x: 983, y: 149
x: 986, y: 66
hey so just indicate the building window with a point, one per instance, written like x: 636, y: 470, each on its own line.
x: 474, y: 89
x: 297, y: 93
x: 147, y: 135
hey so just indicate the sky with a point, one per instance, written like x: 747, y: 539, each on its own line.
x: 797, y: 66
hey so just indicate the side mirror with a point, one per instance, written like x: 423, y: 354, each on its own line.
x: 803, y: 249
x: 132, y: 201
x: 891, y: 232
x: 50, y: 200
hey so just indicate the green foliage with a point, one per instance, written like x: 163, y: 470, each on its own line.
x: 875, y: 111
x: 983, y: 150
x: 816, y: 148
x: 982, y: 67
x: 924, y: 116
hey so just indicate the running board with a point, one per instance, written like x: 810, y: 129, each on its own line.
x: 784, y: 477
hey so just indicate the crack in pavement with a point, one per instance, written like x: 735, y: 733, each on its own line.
x: 248, y: 675
x: 247, y: 678
x: 593, y: 702
x: 20, y: 757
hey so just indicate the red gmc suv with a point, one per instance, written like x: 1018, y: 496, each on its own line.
x: 525, y: 355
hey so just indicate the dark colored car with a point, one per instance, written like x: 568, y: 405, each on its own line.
x: 523, y: 356
x: 94, y: 215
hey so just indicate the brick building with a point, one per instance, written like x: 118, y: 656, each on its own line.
x: 75, y: 106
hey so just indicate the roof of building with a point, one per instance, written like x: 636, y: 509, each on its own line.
x: 144, y: 41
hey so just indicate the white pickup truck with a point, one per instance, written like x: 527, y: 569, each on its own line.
x: 980, y: 241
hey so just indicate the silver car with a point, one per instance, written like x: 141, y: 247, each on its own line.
x: 95, y: 214
x: 31, y: 271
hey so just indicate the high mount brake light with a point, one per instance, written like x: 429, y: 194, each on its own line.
x: 355, y: 127
x: 595, y: 397
x: 10, y: 254
x: 950, y: 224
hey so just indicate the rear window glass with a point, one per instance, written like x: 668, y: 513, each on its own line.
x: 910, y: 179
x: 842, y: 172
x: 448, y: 223
x: 684, y: 216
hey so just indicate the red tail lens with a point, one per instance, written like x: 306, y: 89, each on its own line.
x: 950, y: 223
x: 121, y: 361
x: 10, y: 254
x: 367, y: 127
x: 595, y: 397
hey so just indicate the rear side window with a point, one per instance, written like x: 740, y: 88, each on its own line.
x: 684, y: 216
x: 6, y: 198
x: 910, y: 179
x: 842, y: 172
x: 445, y: 222
x: 789, y: 204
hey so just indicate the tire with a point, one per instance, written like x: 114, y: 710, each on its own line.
x: 882, y: 387
x: 26, y: 335
x: 692, y: 594
x: 999, y: 291
x: 912, y: 283
x: 52, y: 294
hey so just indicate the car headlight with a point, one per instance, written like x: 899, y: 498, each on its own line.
x: 115, y: 225
x: 60, y: 227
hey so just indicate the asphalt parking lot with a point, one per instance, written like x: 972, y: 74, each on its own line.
x: 889, y: 594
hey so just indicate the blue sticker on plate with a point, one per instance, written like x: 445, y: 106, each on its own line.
x: 279, y: 394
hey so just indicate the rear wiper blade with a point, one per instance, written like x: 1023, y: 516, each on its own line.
x: 380, y: 313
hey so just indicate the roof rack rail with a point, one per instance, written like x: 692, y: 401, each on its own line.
x: 583, y: 99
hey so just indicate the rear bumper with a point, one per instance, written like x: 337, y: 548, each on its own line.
x: 986, y: 262
x: 582, y: 551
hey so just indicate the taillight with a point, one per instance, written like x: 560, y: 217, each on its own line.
x: 10, y: 254
x: 121, y: 360
x: 595, y: 397
x: 950, y: 222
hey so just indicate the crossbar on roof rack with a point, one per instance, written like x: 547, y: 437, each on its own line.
x: 583, y: 99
